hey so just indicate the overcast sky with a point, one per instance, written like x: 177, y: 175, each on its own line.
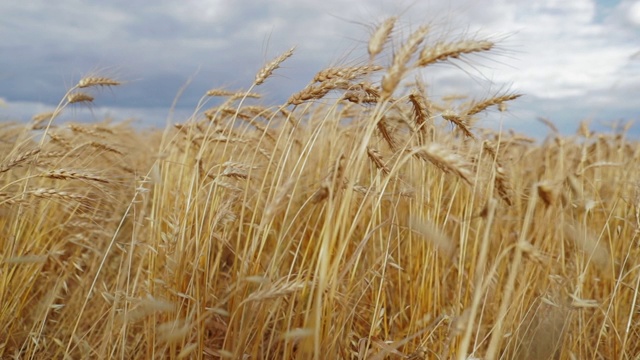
x: 572, y: 60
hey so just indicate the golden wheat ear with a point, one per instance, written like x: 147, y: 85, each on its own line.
x: 398, y: 66
x: 268, y: 69
x: 91, y: 81
x: 443, y: 51
x: 381, y: 36
x: 79, y: 97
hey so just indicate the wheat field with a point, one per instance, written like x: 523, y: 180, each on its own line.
x: 359, y: 220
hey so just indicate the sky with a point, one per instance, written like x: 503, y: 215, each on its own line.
x: 572, y: 60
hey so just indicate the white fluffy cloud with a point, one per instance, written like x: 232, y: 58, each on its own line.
x: 634, y: 13
x: 565, y: 52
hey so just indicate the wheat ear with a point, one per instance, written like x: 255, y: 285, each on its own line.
x: 380, y: 36
x: 91, y: 81
x: 398, y: 67
x: 443, y: 51
x: 268, y: 69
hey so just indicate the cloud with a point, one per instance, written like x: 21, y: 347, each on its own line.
x: 570, y: 58
x: 627, y: 14
x: 634, y: 14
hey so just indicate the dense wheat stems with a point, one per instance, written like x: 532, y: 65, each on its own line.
x: 362, y: 218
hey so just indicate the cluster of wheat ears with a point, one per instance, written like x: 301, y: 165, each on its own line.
x: 360, y: 219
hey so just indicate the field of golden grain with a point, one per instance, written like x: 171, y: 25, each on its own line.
x: 359, y: 220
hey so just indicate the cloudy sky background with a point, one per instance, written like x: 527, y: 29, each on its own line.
x: 572, y: 60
